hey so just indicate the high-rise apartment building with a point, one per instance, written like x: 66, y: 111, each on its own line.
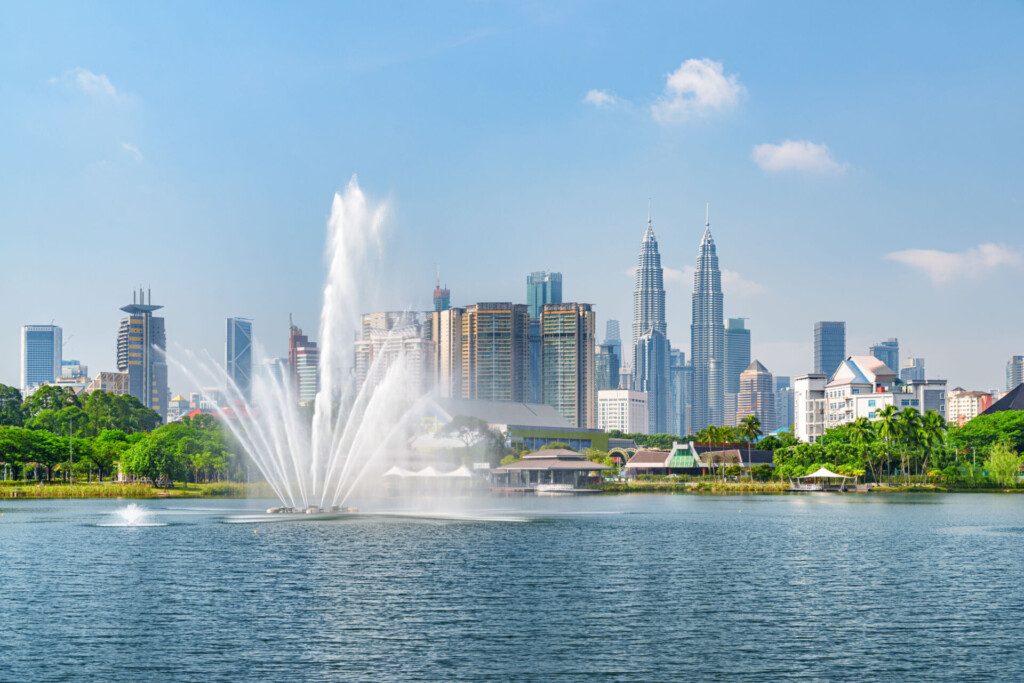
x: 682, y: 385
x: 888, y: 352
x: 737, y: 359
x: 41, y: 353
x: 542, y: 288
x: 390, y: 338
x: 238, y: 355
x: 569, y: 384
x: 622, y: 409
x: 141, y: 344
x: 303, y: 365
x: 829, y: 345
x: 495, y: 352
x: 913, y: 371
x: 446, y: 332
x: 963, y: 405
x: 757, y: 395
x: 652, y: 375
x: 707, y: 336
x: 1014, y: 372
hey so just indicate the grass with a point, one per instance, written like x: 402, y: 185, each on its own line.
x: 22, y: 489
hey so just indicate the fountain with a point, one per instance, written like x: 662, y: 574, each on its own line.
x: 133, y: 515
x: 315, y: 463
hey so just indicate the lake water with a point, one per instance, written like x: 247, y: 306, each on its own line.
x: 639, y: 588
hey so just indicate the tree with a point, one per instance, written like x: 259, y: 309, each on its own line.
x: 861, y: 433
x: 909, y: 424
x: 984, y: 431
x: 48, y: 397
x: 888, y: 429
x: 1003, y: 464
x: 107, y: 449
x: 933, y: 436
x: 750, y: 427
x: 10, y: 407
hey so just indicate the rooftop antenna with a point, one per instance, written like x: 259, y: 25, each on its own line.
x: 149, y: 295
x: 134, y: 295
x: 438, y: 267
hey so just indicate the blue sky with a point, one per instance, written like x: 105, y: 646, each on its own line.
x: 863, y: 162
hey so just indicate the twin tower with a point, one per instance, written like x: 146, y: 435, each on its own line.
x: 702, y: 403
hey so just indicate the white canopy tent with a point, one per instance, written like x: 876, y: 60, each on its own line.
x: 824, y: 473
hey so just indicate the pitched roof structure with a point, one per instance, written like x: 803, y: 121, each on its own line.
x: 1014, y: 400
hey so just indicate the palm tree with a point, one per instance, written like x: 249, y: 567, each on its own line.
x: 888, y: 429
x: 750, y: 427
x: 909, y: 423
x: 933, y: 435
x: 861, y: 432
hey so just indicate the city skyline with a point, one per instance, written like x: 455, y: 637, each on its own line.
x: 106, y: 140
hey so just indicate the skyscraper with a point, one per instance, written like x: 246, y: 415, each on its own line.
x: 567, y: 333
x: 1014, y: 372
x: 606, y: 364
x: 737, y: 358
x: 442, y: 297
x: 613, y: 342
x: 707, y: 336
x: 829, y: 346
x: 913, y: 371
x: 41, y: 353
x: 651, y: 347
x: 682, y: 383
x: 542, y: 288
x: 888, y: 352
x: 238, y: 354
x: 757, y: 395
x: 783, y: 403
x: 303, y: 365
x: 649, y: 290
x: 495, y: 352
x: 141, y: 342
x: 652, y: 375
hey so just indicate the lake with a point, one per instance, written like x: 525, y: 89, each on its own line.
x: 632, y: 588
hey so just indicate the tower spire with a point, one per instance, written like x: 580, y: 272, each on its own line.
x: 707, y: 214
x: 648, y: 211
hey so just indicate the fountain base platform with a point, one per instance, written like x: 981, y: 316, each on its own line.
x: 312, y: 510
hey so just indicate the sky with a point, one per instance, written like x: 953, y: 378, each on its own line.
x: 863, y: 162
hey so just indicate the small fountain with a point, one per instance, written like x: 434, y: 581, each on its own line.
x: 314, y: 463
x: 133, y: 515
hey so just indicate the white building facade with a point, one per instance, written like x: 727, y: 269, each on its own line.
x: 809, y: 406
x: 622, y: 409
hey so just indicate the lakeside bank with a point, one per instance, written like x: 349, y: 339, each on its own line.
x: 54, y: 490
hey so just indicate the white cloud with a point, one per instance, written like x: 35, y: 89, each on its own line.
x: 795, y: 155
x: 85, y: 81
x: 697, y: 87
x: 733, y: 283
x: 133, y: 151
x: 600, y: 98
x: 944, y: 266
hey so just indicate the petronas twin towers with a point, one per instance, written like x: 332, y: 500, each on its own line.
x: 651, y: 348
